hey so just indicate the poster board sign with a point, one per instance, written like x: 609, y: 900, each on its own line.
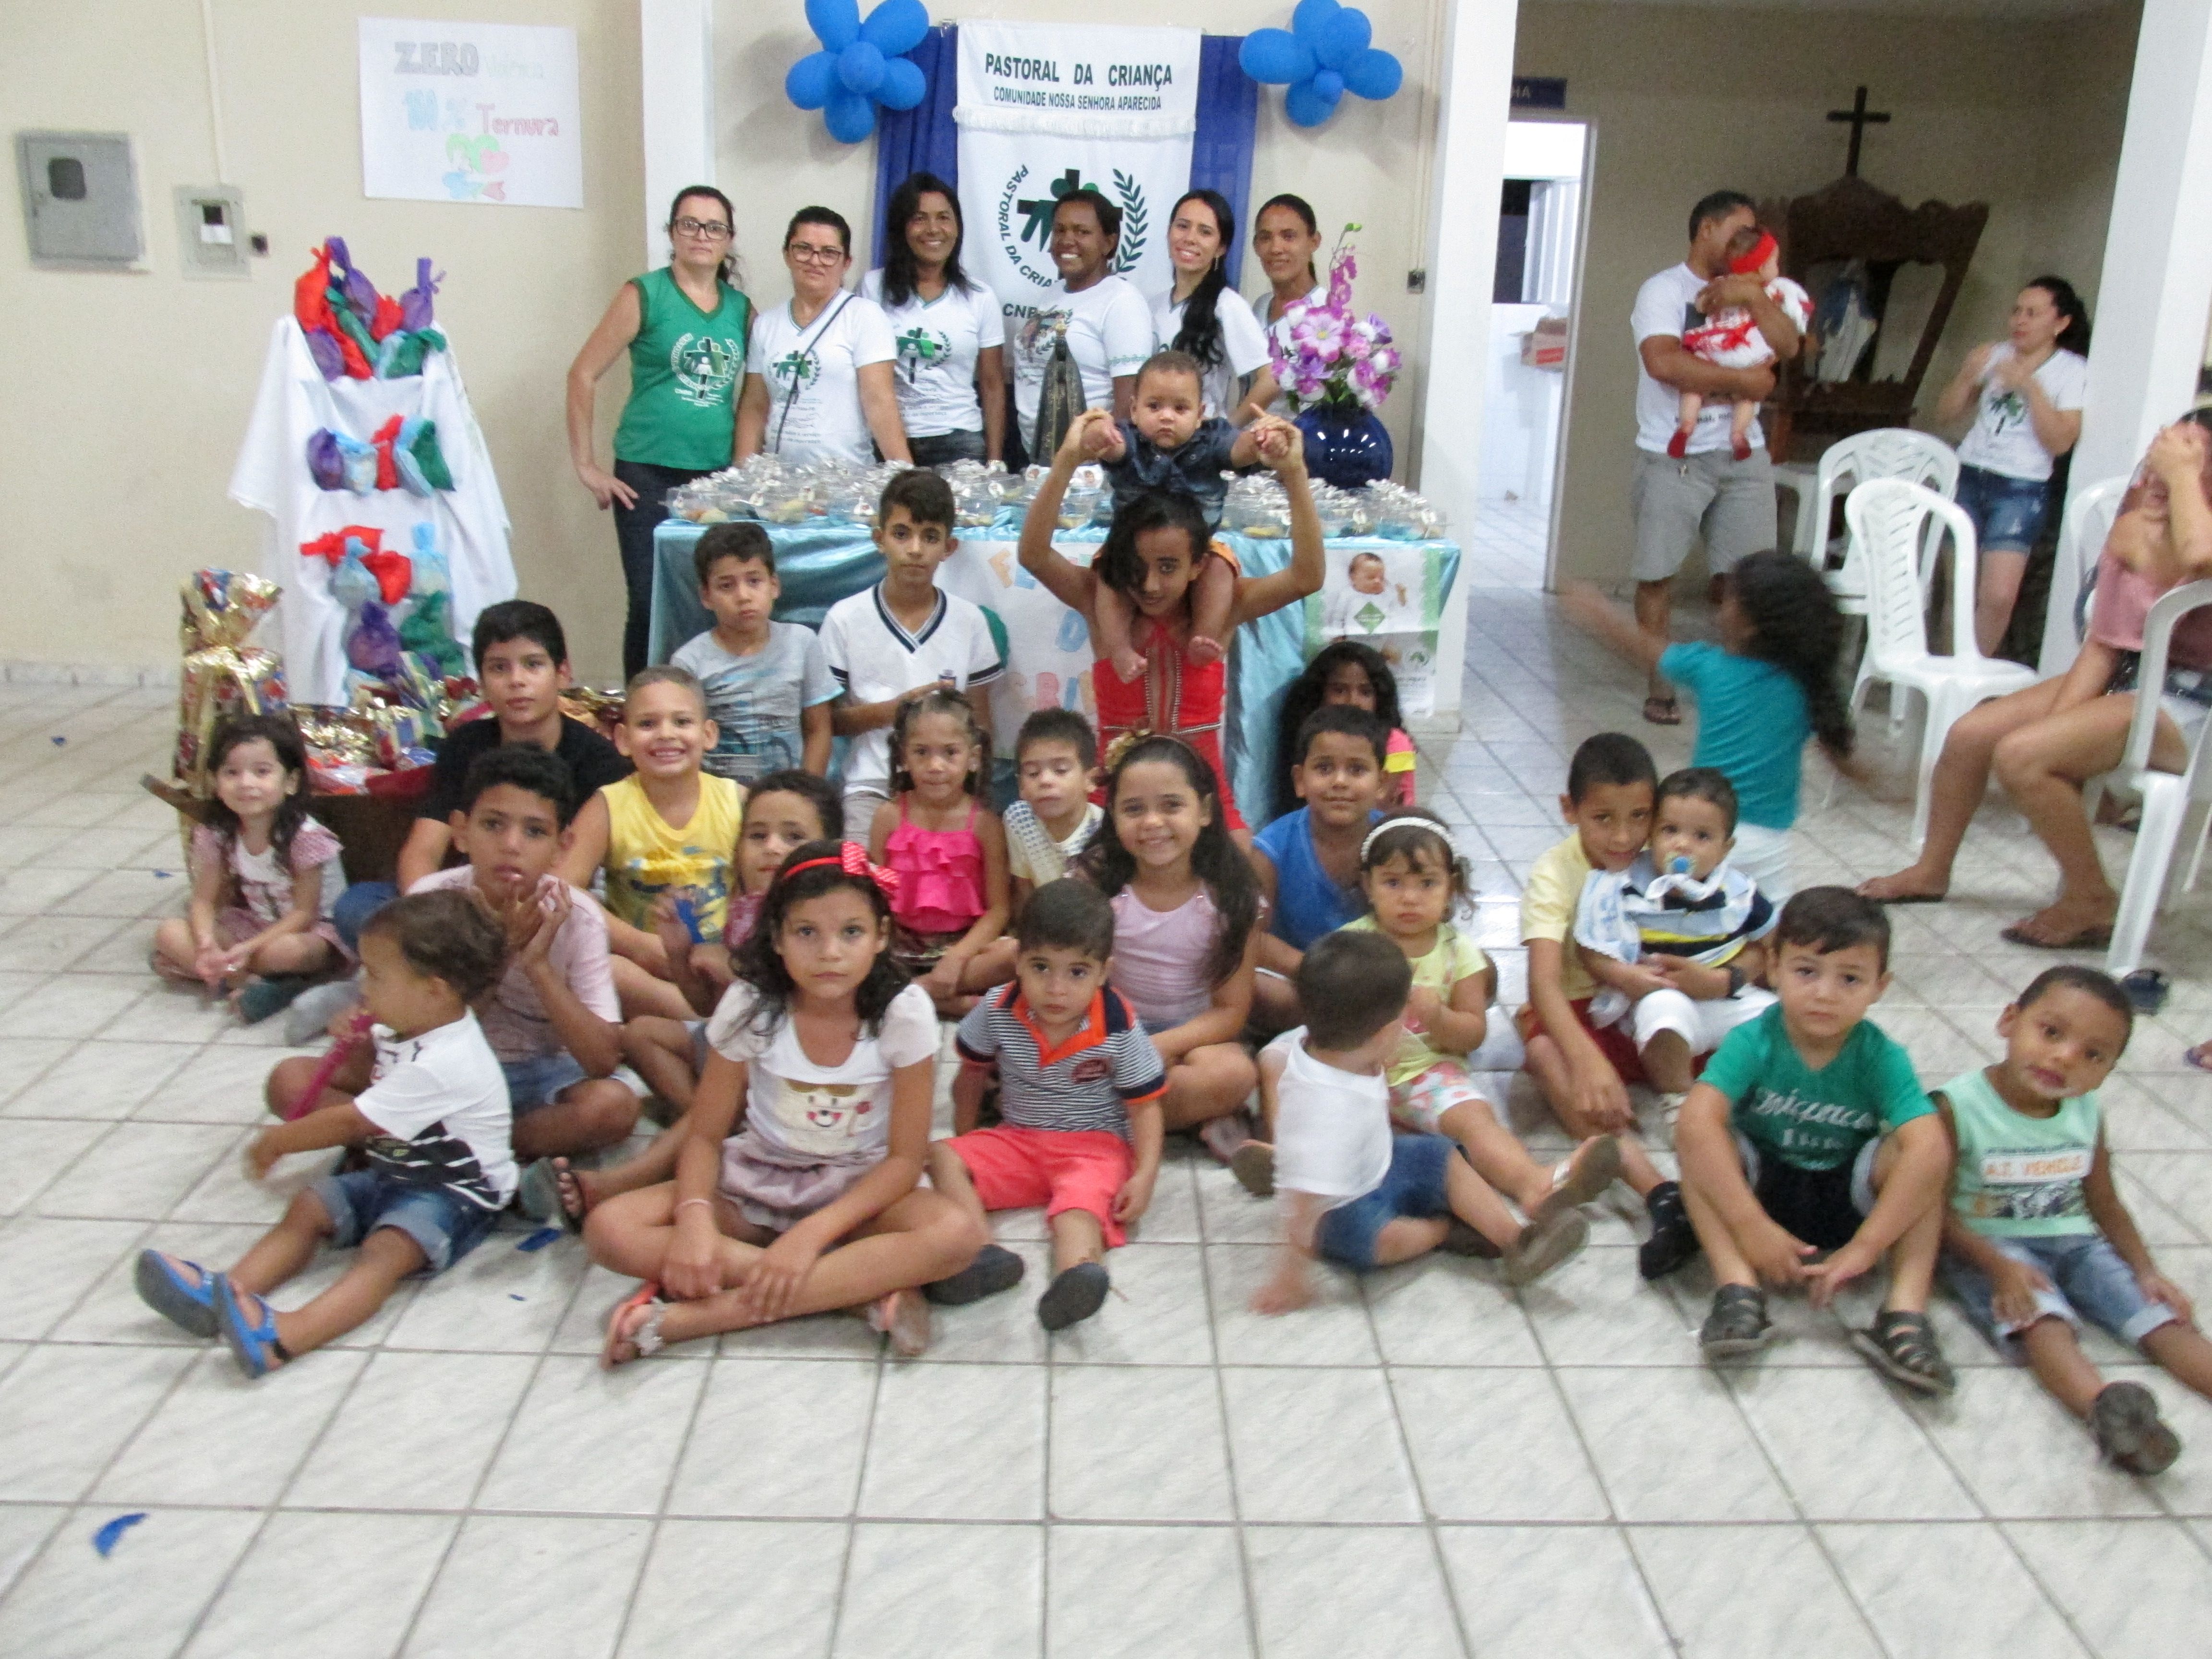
x: 1388, y: 595
x: 482, y: 112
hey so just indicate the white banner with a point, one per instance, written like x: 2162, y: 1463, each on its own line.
x: 470, y: 113
x: 1047, y: 108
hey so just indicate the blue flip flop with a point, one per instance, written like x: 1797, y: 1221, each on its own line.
x: 253, y: 1343
x: 188, y: 1305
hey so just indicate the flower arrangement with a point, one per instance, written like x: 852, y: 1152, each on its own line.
x: 1335, y: 359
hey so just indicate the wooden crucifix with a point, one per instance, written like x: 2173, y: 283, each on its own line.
x: 1861, y: 117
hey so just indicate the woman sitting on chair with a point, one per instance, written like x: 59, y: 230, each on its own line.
x: 2047, y: 741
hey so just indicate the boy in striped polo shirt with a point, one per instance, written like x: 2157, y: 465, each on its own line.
x: 1079, y: 1089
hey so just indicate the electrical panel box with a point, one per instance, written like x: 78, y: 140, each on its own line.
x: 210, y: 240
x: 80, y: 199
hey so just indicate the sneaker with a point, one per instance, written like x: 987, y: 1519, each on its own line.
x: 314, y: 1008
x: 1737, y: 1325
x: 2124, y: 1419
x: 1075, y: 1295
x: 1253, y: 1165
x: 1459, y: 1239
x: 262, y: 998
x: 995, y: 1268
x: 1674, y: 1241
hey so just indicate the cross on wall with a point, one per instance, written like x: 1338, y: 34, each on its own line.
x: 1861, y: 118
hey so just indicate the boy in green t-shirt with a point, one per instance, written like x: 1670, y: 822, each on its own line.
x: 1809, y: 1133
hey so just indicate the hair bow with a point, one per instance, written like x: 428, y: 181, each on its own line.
x: 853, y: 859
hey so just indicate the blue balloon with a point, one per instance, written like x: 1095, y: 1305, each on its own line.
x: 1343, y: 38
x: 811, y: 80
x: 851, y: 116
x: 1329, y: 87
x: 1306, y: 107
x: 1276, y: 56
x: 837, y: 21
x: 904, y: 84
x: 897, y: 26
x: 860, y: 68
x: 1374, y: 74
x: 1311, y: 17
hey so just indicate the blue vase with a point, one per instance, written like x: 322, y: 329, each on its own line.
x: 1348, y: 448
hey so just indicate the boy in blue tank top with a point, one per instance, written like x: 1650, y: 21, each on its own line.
x: 2036, y: 1239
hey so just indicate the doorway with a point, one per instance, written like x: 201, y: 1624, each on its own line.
x: 1541, y: 215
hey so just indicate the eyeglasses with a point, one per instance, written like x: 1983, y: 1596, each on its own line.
x: 709, y: 227
x: 808, y: 254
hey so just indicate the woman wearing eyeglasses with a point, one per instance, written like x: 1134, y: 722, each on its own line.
x: 818, y: 379
x: 684, y: 327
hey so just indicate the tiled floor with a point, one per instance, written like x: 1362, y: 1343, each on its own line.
x: 1423, y: 1464
x: 1505, y: 546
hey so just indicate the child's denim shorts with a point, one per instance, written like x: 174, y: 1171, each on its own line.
x: 1414, y: 1186
x: 539, y: 1080
x: 447, y: 1225
x: 2089, y: 1280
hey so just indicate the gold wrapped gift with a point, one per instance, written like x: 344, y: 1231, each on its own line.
x: 219, y: 684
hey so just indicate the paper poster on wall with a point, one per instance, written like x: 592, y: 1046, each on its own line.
x: 1046, y: 108
x: 1388, y: 595
x: 482, y: 112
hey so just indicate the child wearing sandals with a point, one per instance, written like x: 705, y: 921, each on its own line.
x: 1081, y: 1088
x: 1413, y: 879
x: 1808, y: 1136
x: 796, y: 1190
x: 260, y: 921
x: 432, y: 1127
x: 2036, y: 1239
x: 1354, y: 1191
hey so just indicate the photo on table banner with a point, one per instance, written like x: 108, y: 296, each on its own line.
x: 1386, y: 596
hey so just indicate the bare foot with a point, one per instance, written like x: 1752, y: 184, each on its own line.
x: 1907, y: 886
x: 1129, y: 665
x: 1203, y: 652
x: 577, y: 1197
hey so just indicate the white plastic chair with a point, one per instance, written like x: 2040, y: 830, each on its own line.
x: 1897, y: 528
x: 1889, y: 451
x: 2081, y: 532
x: 2176, y: 806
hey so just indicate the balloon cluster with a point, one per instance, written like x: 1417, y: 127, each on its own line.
x: 860, y: 65
x: 1321, y: 56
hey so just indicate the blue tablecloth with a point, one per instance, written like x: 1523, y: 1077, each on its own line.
x: 819, y: 565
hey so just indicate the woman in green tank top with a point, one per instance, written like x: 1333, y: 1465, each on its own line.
x: 685, y: 328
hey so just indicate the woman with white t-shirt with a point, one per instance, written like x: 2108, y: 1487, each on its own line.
x: 1109, y: 326
x: 2026, y: 393
x: 949, y: 332
x: 1227, y: 340
x: 818, y: 380
x: 1286, y: 237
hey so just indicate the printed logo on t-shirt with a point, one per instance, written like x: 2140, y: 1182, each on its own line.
x: 1092, y: 1068
x: 705, y: 368
x: 2005, y: 410
x: 827, y: 1118
x: 795, y: 369
x: 920, y: 348
x: 2036, y: 1185
x: 1791, y: 1123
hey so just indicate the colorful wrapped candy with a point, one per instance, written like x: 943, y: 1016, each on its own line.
x: 221, y: 675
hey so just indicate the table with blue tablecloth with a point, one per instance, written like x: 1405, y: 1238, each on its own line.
x: 1048, y: 646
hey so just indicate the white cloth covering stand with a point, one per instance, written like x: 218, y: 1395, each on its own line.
x: 271, y: 477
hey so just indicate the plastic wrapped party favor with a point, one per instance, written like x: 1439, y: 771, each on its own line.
x: 393, y: 570
x: 418, y: 684
x: 432, y: 574
x: 428, y: 632
x: 371, y: 645
x: 360, y: 292
x: 219, y: 683
x: 353, y: 585
x: 335, y: 736
x: 415, y: 304
x: 325, y: 465
x: 221, y: 607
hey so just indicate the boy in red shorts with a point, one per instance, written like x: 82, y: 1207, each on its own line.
x: 1612, y: 788
x: 1079, y: 1089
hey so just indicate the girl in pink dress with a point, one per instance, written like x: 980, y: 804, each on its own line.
x: 950, y: 849
x: 1151, y: 555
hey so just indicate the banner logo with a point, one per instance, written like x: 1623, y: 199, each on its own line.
x: 1033, y: 216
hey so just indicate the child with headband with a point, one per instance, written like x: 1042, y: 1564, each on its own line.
x: 1731, y: 339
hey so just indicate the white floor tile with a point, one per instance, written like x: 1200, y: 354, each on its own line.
x: 1948, y: 1592
x: 64, y: 1411
x: 1847, y: 1449
x: 417, y: 1432
x: 285, y: 1599
x: 1192, y: 1606
x: 101, y: 1079
x: 1134, y: 1442
x: 778, y: 1437
x: 1504, y: 1449
x: 139, y: 1602
x: 24, y: 1529
x: 218, y: 1439
x: 1551, y: 1593
x: 2134, y: 1589
x: 1327, y: 1591
x: 776, y: 1582
x: 594, y: 1440
x: 1749, y: 1592
x: 1706, y: 1467
x: 957, y: 1443
x: 1317, y: 1446
x: 921, y: 1592
x: 554, y: 1589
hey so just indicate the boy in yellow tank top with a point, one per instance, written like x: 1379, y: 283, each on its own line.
x: 668, y: 829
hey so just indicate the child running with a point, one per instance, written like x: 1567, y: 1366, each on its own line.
x: 1809, y: 1134
x: 1170, y: 443
x: 785, y: 810
x: 1186, y: 933
x: 1770, y: 684
x: 2036, y: 1239
x: 1356, y: 1192
x: 1346, y: 673
x: 1080, y: 1087
x: 767, y: 683
x: 432, y: 1127
x: 1582, y: 1068
x: 1675, y: 939
x: 1415, y: 881
x: 948, y: 848
x: 795, y: 1192
x: 1150, y: 556
x: 258, y: 925
x: 670, y: 827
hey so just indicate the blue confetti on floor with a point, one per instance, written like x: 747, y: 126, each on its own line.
x: 515, y: 1296
x: 108, y: 1536
x: 540, y: 1239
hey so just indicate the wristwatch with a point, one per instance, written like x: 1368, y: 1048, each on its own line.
x: 1735, y: 978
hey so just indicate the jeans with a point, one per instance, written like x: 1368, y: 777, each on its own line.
x: 356, y: 905
x: 2007, y: 512
x: 943, y: 448
x: 634, y: 528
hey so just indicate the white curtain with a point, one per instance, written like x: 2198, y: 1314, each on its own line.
x: 1548, y: 274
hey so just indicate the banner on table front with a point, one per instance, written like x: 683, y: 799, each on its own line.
x: 1388, y: 595
x: 470, y: 113
x: 1046, y: 108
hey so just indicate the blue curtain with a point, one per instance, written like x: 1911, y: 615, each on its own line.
x: 925, y: 138
x: 922, y: 139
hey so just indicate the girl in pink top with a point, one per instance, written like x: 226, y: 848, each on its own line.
x: 949, y: 850
x: 2045, y: 742
x: 1186, y: 936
